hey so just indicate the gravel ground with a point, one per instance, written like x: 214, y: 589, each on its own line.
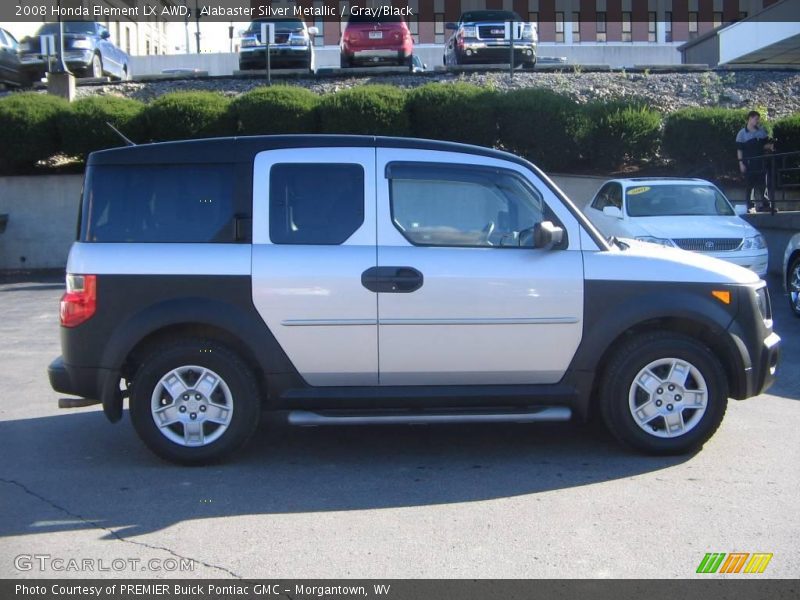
x: 776, y: 91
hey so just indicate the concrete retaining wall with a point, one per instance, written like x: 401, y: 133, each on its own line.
x: 43, y: 211
x: 614, y: 55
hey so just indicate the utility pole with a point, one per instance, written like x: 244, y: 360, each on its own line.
x: 197, y: 21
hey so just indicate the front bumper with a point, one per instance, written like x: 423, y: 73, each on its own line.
x: 758, y: 262
x: 494, y: 52
x: 256, y: 58
x: 76, y: 60
x: 90, y: 383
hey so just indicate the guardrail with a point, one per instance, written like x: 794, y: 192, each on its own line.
x: 782, y: 174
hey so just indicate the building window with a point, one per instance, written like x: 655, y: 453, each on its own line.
x: 413, y: 26
x: 668, y: 26
x: 651, y: 27
x: 601, y: 27
x: 692, y: 25
x: 717, y: 19
x: 576, y: 27
x: 533, y: 17
x: 147, y: 47
x: 319, y: 39
x: 560, y: 27
x: 127, y: 40
x: 438, y: 28
x: 742, y: 15
x: 626, y: 27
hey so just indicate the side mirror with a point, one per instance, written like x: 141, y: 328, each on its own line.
x: 313, y: 31
x: 542, y: 236
x: 451, y: 26
x: 740, y: 209
x: 612, y: 211
x: 106, y: 34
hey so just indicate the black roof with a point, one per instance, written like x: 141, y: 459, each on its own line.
x: 243, y: 149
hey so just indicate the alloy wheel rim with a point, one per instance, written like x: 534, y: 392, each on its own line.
x: 192, y: 406
x: 668, y: 397
x: 794, y: 288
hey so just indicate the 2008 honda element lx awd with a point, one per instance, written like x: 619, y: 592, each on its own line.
x: 365, y: 280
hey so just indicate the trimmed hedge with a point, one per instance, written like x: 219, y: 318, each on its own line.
x: 276, y: 110
x: 703, y: 140
x: 187, y: 115
x: 84, y: 129
x: 543, y: 126
x: 787, y: 134
x: 367, y: 110
x: 457, y: 112
x: 29, y: 126
x: 620, y: 132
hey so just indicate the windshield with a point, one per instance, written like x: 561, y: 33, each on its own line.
x: 676, y: 199
x: 280, y: 25
x: 84, y: 27
x: 489, y: 16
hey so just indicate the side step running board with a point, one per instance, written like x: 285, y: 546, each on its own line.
x: 305, y: 418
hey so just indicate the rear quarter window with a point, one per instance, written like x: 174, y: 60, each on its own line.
x: 159, y: 203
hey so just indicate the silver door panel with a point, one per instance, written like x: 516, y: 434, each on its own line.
x: 311, y: 297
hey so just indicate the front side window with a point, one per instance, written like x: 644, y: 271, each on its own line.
x: 676, y: 199
x: 319, y: 204
x: 609, y: 195
x: 445, y: 205
x: 159, y: 203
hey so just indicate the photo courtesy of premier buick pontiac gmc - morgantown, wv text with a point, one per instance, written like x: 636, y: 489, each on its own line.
x: 364, y: 280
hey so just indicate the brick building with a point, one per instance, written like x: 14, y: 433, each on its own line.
x: 567, y: 22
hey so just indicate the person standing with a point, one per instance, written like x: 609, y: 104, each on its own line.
x: 752, y: 141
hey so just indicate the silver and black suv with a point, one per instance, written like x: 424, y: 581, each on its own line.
x: 293, y: 47
x: 367, y: 280
x: 479, y: 37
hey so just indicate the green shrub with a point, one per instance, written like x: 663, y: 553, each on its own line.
x: 366, y: 109
x: 620, y: 132
x: 543, y: 126
x: 703, y: 140
x: 787, y: 134
x: 458, y: 112
x: 85, y: 129
x: 187, y: 115
x: 29, y: 126
x: 275, y: 110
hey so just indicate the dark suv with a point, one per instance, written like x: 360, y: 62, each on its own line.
x: 293, y: 47
x: 479, y: 37
x: 87, y: 51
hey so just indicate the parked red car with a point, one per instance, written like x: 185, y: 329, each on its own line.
x: 366, y: 40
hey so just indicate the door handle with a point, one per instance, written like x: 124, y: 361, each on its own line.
x: 392, y: 280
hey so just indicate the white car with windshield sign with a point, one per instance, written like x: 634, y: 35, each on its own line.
x: 690, y: 214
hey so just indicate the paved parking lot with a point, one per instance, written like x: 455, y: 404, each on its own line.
x: 549, y: 500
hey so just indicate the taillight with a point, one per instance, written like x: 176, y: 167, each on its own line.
x: 79, y: 302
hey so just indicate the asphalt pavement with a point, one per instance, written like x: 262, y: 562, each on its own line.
x: 501, y: 501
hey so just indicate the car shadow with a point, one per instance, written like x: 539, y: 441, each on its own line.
x: 76, y: 471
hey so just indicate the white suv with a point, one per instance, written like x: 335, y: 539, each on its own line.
x: 691, y: 214
x: 364, y: 280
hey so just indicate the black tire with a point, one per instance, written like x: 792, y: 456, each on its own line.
x: 793, y: 274
x: 345, y: 62
x: 231, y: 369
x: 618, y: 381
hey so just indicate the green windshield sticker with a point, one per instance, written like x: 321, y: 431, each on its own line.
x: 638, y: 190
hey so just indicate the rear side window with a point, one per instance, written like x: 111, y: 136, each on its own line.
x: 315, y: 203
x: 158, y: 203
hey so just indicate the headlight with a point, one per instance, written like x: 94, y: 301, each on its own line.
x: 469, y: 31
x: 654, y: 240
x: 81, y: 45
x: 298, y: 39
x: 762, y: 301
x: 249, y: 42
x: 756, y: 242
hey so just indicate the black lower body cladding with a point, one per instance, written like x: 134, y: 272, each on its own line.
x: 132, y: 309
